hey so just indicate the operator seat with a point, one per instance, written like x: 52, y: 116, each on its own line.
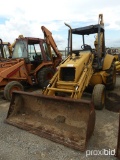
x: 87, y: 47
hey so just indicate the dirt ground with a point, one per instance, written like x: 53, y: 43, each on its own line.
x: 17, y: 144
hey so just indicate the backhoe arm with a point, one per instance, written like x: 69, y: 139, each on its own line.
x: 99, y: 41
x: 50, y: 41
x: 100, y: 19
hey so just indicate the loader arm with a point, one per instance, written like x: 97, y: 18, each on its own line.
x: 50, y: 41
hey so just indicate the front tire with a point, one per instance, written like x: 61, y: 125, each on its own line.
x: 98, y: 96
x: 10, y: 87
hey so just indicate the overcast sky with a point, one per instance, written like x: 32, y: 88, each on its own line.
x: 26, y: 17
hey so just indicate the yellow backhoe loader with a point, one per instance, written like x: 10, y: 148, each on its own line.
x: 61, y: 113
x: 116, y: 54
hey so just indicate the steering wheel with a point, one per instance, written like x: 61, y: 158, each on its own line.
x: 85, y: 46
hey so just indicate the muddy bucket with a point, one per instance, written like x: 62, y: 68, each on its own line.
x: 63, y: 120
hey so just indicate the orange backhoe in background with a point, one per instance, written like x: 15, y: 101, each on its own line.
x: 32, y: 63
x: 5, y: 50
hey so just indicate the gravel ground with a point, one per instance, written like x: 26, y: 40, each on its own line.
x: 17, y: 144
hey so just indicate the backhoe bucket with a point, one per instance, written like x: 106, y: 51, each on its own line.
x: 63, y: 120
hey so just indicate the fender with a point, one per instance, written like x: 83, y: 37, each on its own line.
x: 107, y: 61
x: 8, y: 71
x: 42, y: 65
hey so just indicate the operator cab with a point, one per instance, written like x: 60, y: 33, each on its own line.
x: 33, y: 50
x: 99, y: 51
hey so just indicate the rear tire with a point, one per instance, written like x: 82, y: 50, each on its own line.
x: 98, y: 96
x: 111, y: 79
x: 10, y: 87
x: 44, y: 76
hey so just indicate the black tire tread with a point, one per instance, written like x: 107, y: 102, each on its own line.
x: 41, y: 76
x: 96, y: 96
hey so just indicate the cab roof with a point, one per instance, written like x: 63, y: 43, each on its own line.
x: 88, y: 29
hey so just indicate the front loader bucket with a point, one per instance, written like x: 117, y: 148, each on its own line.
x: 63, y: 120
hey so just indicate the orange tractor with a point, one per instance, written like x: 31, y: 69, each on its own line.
x: 5, y: 50
x: 32, y: 63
